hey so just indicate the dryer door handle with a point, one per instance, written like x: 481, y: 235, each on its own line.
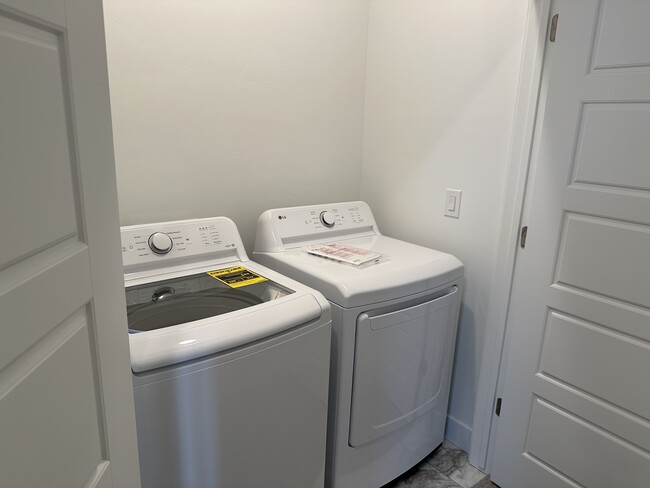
x: 378, y: 322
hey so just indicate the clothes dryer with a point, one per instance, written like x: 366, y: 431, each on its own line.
x: 394, y: 315
x: 230, y: 362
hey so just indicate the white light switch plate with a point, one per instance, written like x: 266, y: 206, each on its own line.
x: 452, y: 202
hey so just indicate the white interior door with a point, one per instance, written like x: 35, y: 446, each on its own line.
x: 576, y: 386
x: 66, y: 401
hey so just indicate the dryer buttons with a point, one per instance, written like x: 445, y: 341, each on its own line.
x: 328, y: 219
x: 160, y: 243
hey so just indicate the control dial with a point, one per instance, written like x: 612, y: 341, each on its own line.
x: 327, y: 218
x: 160, y: 243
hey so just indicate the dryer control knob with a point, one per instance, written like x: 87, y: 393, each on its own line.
x: 160, y: 243
x: 327, y: 218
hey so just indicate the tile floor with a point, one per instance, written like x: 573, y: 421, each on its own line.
x: 446, y: 468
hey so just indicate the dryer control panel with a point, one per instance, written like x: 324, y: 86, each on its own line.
x: 166, y: 243
x: 295, y: 226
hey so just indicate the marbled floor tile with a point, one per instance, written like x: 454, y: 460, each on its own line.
x: 485, y: 483
x: 448, y: 467
x: 425, y: 476
x: 452, y: 462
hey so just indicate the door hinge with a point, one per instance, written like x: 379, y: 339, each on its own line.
x: 522, y: 237
x: 497, y: 410
x: 554, y: 27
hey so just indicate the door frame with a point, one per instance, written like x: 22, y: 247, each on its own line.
x: 521, y: 144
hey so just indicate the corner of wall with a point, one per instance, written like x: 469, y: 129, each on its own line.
x: 458, y: 433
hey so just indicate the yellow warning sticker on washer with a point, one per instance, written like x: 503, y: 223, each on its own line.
x: 237, y: 276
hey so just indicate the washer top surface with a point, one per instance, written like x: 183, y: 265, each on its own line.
x: 285, y: 235
x: 191, y: 291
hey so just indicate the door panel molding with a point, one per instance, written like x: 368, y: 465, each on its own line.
x: 606, y: 55
x: 598, y: 158
x: 563, y: 358
x: 595, y: 410
x: 604, y: 257
x: 31, y: 424
x: 88, y: 79
x: 622, y: 317
x: 577, y: 322
x: 571, y: 460
x: 66, y: 394
x: 66, y: 283
x: 36, y: 12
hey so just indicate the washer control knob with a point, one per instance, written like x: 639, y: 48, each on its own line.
x: 160, y: 243
x: 327, y: 218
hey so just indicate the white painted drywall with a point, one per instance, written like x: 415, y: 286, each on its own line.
x: 230, y: 107
x: 440, y: 91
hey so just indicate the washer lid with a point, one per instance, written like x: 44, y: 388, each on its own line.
x: 405, y: 269
x: 191, y: 316
x: 170, y: 302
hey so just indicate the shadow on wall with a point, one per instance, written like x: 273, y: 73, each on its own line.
x: 441, y: 87
x: 465, y: 367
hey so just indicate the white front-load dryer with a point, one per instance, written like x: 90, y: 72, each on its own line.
x: 230, y: 362
x: 394, y: 316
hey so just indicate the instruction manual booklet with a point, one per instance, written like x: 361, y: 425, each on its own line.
x: 345, y: 254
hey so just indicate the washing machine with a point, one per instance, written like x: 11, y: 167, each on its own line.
x: 230, y: 362
x: 394, y: 315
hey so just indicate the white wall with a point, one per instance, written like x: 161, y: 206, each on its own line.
x: 229, y: 107
x: 440, y: 92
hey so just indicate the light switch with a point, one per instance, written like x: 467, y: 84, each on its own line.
x: 452, y: 202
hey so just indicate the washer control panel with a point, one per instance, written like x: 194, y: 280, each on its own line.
x: 160, y: 243
x: 142, y: 244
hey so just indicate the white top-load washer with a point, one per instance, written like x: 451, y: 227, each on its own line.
x: 230, y: 361
x: 394, y: 321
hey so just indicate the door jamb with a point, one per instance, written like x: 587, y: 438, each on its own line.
x: 484, y: 425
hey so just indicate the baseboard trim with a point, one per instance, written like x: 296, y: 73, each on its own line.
x: 458, y: 433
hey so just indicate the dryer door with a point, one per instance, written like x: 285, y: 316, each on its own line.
x: 402, y: 366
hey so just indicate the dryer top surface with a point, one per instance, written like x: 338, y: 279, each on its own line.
x: 403, y: 270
